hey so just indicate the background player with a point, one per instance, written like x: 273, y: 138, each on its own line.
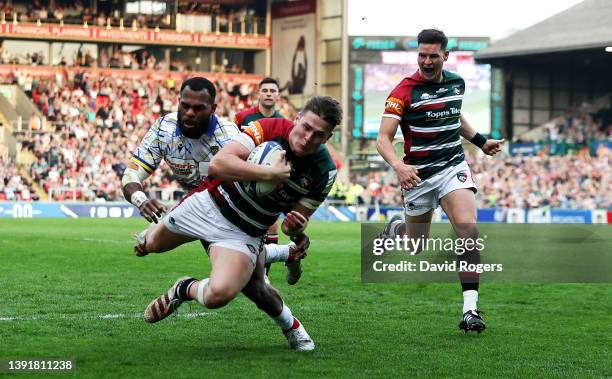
x: 268, y: 95
x: 434, y: 172
x: 232, y: 222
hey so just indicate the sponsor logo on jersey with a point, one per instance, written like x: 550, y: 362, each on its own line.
x: 462, y: 176
x: 442, y: 90
x: 254, y: 130
x: 457, y: 91
x: 426, y: 96
x: 413, y: 207
x: 394, y: 105
x: 182, y: 168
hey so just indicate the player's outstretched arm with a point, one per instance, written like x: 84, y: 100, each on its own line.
x: 407, y: 174
x: 133, y: 191
x: 230, y: 164
x: 296, y: 221
x: 488, y: 146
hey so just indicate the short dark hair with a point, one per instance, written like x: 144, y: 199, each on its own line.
x: 326, y: 107
x: 198, y: 83
x: 433, y: 36
x: 268, y: 80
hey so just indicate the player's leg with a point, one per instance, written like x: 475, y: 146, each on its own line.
x: 272, y: 239
x: 284, y: 253
x: 281, y: 253
x: 233, y: 254
x: 459, y: 204
x: 157, y: 238
x: 231, y: 270
x: 269, y: 300
x: 419, y: 204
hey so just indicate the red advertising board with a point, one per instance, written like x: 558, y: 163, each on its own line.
x: 128, y: 35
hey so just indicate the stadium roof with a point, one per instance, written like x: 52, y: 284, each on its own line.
x: 584, y: 26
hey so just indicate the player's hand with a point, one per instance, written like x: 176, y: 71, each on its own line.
x: 492, y: 146
x: 280, y: 170
x: 407, y: 175
x: 152, y: 210
x: 302, y: 243
x: 294, y: 223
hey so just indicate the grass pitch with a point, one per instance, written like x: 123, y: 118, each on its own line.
x: 74, y: 289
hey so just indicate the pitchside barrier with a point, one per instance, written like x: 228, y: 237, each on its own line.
x: 324, y: 213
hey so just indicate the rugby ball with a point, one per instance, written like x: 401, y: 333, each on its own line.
x: 264, y: 154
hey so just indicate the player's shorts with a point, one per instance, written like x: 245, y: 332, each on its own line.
x: 426, y: 196
x: 197, y: 216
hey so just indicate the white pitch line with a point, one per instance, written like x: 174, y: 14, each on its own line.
x: 110, y: 316
x: 119, y: 242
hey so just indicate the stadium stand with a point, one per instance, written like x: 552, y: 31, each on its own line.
x: 98, y: 120
x: 216, y: 17
x: 570, y: 181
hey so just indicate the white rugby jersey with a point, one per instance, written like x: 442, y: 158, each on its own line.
x: 188, y: 158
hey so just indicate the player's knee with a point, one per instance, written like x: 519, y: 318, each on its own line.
x: 467, y: 230
x: 218, y: 295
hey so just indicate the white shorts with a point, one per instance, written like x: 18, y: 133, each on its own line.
x: 197, y: 216
x: 427, y: 194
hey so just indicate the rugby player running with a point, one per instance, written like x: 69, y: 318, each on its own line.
x: 427, y: 108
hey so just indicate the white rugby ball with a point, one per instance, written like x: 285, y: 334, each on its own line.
x: 264, y: 154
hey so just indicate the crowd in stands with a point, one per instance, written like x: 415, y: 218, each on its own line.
x: 569, y: 182
x: 13, y: 187
x: 576, y: 129
x: 578, y: 181
x: 566, y: 174
x: 77, y: 12
x: 139, y: 60
x: 99, y: 122
x: 374, y: 187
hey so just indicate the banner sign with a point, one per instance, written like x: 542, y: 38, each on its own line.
x: 294, y: 43
x: 67, y: 210
x: 128, y: 35
x: 325, y: 213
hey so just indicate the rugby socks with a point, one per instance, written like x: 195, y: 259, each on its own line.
x: 285, y: 320
x: 276, y: 253
x: 271, y: 239
x: 195, y: 291
x: 182, y: 291
x: 470, y: 280
x: 192, y: 289
x: 470, y: 298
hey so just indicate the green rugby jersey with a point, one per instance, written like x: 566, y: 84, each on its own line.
x: 252, y: 114
x: 311, y: 179
x: 429, y: 119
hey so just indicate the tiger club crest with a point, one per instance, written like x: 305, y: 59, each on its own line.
x: 462, y: 176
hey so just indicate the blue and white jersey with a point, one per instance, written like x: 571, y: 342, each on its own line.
x: 188, y: 158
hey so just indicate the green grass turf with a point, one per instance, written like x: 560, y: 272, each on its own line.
x: 59, y: 276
